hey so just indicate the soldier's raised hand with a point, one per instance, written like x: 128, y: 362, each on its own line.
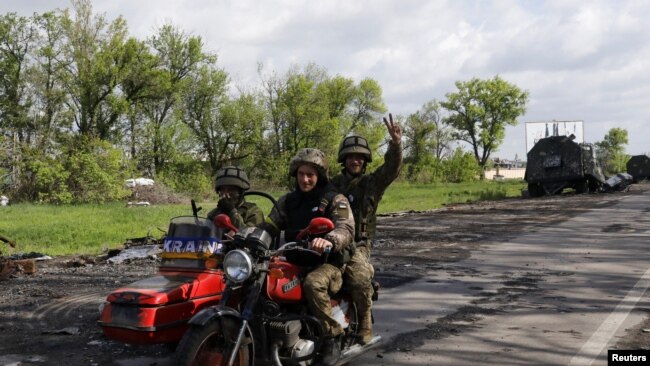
x: 393, y: 129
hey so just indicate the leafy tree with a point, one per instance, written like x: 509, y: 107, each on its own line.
x: 179, y: 54
x: 137, y: 87
x: 366, y: 106
x: 426, y: 134
x: 611, y: 151
x: 480, y: 110
x: 94, y: 69
x: 52, y: 118
x: 229, y: 130
x: 16, y: 40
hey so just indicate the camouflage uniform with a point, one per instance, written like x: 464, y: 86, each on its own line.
x: 241, y: 213
x: 364, y: 194
x: 293, y: 213
x: 245, y: 214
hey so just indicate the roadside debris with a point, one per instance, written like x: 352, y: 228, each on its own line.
x: 12, y: 268
x: 619, y: 182
x: 138, y: 204
x: 145, y: 240
x: 4, y: 200
x: 63, y: 331
x: 31, y: 255
x: 143, y: 251
x: 130, y: 183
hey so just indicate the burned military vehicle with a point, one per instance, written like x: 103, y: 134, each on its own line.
x: 639, y: 167
x: 557, y: 162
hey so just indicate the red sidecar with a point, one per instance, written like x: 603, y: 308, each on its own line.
x: 156, y: 309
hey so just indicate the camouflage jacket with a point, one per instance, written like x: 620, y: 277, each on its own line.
x: 365, y: 192
x: 295, y: 210
x: 246, y: 214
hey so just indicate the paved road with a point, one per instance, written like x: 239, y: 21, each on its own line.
x: 559, y: 295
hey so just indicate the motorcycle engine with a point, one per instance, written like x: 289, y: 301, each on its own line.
x: 302, y: 348
x: 287, y: 333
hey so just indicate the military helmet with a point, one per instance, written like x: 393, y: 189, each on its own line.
x: 232, y: 176
x: 311, y: 156
x: 354, y: 145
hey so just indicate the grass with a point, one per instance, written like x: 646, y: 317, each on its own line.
x: 90, y: 229
x: 403, y: 196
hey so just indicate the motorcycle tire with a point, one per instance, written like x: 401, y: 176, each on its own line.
x: 211, y: 345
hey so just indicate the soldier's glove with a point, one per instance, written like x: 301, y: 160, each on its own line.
x: 226, y: 206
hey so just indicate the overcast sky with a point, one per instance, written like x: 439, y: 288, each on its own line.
x: 579, y: 60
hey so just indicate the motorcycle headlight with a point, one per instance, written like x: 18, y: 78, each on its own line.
x: 237, y: 265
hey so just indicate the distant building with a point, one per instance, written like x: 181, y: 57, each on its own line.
x: 506, y: 169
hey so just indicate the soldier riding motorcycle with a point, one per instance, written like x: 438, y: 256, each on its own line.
x: 262, y: 318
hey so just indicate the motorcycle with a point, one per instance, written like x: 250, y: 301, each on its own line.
x: 156, y: 310
x: 262, y: 318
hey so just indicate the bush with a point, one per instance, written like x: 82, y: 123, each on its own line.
x: 95, y: 172
x: 460, y: 167
x: 50, y: 183
x: 188, y: 177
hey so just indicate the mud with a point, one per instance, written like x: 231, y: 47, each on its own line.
x: 50, y: 318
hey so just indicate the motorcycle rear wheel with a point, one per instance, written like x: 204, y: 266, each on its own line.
x: 211, y: 345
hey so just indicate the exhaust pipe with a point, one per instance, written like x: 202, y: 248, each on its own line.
x: 357, y: 350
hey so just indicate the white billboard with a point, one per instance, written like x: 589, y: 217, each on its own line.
x: 536, y: 131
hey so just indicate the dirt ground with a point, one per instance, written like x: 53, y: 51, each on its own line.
x: 51, y: 317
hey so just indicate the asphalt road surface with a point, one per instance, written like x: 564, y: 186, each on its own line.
x: 561, y: 294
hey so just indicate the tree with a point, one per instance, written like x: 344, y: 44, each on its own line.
x: 179, y: 55
x: 426, y: 133
x: 16, y: 39
x: 480, y: 110
x: 137, y: 87
x: 229, y: 130
x: 366, y: 106
x: 51, y: 117
x: 611, y: 151
x: 94, y: 69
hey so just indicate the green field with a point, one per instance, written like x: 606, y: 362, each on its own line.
x: 91, y: 229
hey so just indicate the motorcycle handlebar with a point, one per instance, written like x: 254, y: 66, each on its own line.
x: 302, y: 245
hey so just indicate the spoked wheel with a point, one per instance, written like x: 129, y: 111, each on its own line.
x: 211, y: 345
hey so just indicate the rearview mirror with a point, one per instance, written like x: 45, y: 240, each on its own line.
x: 317, y: 225
x: 223, y: 221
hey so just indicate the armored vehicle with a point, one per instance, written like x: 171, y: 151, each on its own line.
x: 639, y: 167
x: 557, y: 162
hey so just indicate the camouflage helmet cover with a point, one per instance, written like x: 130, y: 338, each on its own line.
x: 310, y: 156
x: 232, y: 176
x: 354, y: 145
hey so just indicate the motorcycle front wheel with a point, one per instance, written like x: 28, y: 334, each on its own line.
x: 211, y: 345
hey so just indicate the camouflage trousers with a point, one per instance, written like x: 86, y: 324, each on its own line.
x: 319, y: 285
x: 358, y: 278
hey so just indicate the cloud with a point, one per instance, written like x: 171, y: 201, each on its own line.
x: 578, y: 60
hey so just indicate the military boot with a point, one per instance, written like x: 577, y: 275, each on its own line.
x: 365, y: 329
x: 330, y: 352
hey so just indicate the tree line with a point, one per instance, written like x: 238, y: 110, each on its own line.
x: 84, y: 105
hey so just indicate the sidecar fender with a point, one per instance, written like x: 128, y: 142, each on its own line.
x: 217, y: 311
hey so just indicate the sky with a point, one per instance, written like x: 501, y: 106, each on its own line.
x: 579, y: 60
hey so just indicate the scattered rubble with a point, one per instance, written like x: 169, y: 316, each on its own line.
x: 144, y: 251
x: 618, y: 182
